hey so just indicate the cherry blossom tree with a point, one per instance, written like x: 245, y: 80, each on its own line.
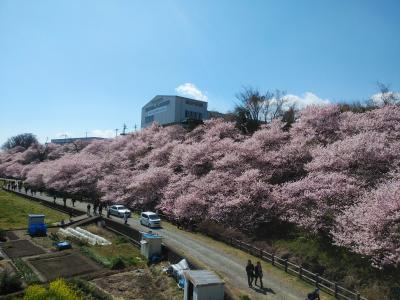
x: 372, y: 226
x: 332, y: 173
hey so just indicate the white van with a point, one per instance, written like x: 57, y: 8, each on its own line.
x: 150, y: 219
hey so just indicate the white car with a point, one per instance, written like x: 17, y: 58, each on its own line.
x: 119, y: 210
x: 150, y: 219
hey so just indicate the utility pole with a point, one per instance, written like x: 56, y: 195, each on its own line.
x: 116, y: 132
x: 86, y: 134
x: 124, y: 127
x: 135, y: 127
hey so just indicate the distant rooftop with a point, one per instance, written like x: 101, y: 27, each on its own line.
x: 202, y: 277
x: 71, y: 140
x: 177, y: 96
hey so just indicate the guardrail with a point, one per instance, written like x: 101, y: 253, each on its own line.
x: 332, y: 288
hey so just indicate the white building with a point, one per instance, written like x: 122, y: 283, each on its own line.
x: 169, y: 110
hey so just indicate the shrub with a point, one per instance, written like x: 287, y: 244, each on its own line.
x: 35, y: 292
x: 58, y: 290
x: 9, y: 283
x: 117, y: 263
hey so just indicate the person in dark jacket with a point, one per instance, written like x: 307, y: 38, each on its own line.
x: 70, y: 215
x: 258, y: 274
x: 314, y: 295
x: 88, y: 210
x: 250, y: 273
x: 126, y: 217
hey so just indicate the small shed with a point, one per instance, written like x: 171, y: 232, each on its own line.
x: 203, y: 285
x: 36, y: 225
x: 150, y: 245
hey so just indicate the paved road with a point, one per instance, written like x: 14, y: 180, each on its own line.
x: 229, y: 267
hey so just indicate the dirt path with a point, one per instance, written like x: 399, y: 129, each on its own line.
x: 229, y: 267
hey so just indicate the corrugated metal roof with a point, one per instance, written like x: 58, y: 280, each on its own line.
x: 202, y: 277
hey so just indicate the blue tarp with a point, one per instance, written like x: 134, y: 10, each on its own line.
x: 63, y: 245
x: 151, y: 236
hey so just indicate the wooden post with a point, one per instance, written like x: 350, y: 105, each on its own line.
x: 358, y: 296
x: 286, y: 265
x: 273, y: 259
x: 317, y: 280
x: 261, y: 253
x: 300, y: 271
x: 336, y: 290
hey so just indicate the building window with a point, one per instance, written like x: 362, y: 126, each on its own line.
x: 194, y: 103
x: 157, y: 105
x: 149, y: 119
x: 193, y: 115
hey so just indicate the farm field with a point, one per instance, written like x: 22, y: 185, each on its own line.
x: 121, y: 251
x: 116, y: 270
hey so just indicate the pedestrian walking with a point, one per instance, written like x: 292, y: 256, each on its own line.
x: 88, y: 210
x: 250, y: 273
x: 101, y: 209
x: 65, y: 201
x: 108, y: 212
x: 73, y: 202
x: 126, y: 217
x: 94, y: 208
x: 54, y: 199
x: 314, y: 295
x: 258, y: 274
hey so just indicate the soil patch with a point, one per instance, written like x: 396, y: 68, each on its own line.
x: 21, y: 248
x: 137, y: 284
x: 11, y: 236
x: 66, y: 265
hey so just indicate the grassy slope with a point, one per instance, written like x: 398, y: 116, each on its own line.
x: 14, y: 211
x: 341, y: 265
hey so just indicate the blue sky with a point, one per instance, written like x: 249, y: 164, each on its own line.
x: 76, y: 66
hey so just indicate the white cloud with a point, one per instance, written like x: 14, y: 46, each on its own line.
x: 107, y: 133
x: 306, y: 99
x: 190, y: 90
x: 377, y: 98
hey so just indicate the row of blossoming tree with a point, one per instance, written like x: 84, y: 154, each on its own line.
x: 331, y: 173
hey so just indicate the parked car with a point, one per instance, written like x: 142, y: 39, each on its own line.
x: 119, y: 210
x: 150, y: 219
